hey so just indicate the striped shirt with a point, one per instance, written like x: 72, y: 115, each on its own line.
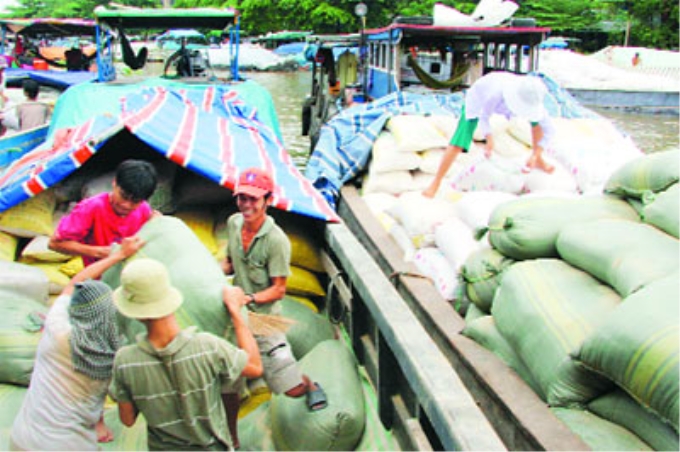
x: 178, y: 389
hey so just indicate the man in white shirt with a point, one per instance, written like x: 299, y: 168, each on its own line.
x: 502, y: 93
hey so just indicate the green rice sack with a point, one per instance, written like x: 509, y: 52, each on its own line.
x: 599, y: 433
x: 619, y: 408
x: 21, y: 319
x: 483, y: 331
x: 637, y: 346
x: 663, y: 211
x: 624, y: 254
x: 545, y: 309
x: 649, y: 173
x: 482, y: 272
x: 527, y: 228
x: 341, y: 424
x: 11, y: 398
x: 309, y: 328
x: 255, y: 430
x: 193, y: 271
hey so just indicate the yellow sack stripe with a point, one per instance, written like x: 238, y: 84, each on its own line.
x: 31, y: 218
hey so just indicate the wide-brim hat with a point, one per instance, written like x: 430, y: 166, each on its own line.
x: 524, y: 96
x: 145, y: 291
x: 254, y: 182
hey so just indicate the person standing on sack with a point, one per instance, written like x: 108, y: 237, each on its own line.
x: 63, y: 406
x: 178, y: 379
x: 258, y: 255
x: 506, y: 94
x: 98, y: 222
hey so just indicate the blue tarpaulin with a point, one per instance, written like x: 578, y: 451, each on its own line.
x: 209, y: 129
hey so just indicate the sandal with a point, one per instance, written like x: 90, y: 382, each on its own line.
x: 316, y: 399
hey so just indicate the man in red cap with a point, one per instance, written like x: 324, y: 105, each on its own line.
x: 258, y: 255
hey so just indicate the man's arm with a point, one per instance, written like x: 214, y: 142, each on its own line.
x: 128, y: 247
x: 73, y: 248
x: 127, y: 413
x: 232, y: 298
x: 275, y: 292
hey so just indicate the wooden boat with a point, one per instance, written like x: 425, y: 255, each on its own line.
x: 421, y: 402
x: 340, y: 166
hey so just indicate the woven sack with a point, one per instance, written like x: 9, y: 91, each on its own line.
x: 309, y: 329
x: 599, y: 433
x: 624, y: 254
x: 482, y: 273
x: 619, y: 408
x: 649, y: 173
x: 545, y: 309
x: 637, y: 346
x: 663, y: 211
x: 527, y: 228
x: 340, y: 425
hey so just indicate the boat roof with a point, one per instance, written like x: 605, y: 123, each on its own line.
x: 50, y: 26
x: 212, y: 18
x: 284, y: 35
x: 335, y: 40
x: 399, y: 31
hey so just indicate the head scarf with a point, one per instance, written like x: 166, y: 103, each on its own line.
x: 94, y: 331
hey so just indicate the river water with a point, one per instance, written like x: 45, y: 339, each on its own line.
x: 651, y: 133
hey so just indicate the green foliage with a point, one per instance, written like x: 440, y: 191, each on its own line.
x: 654, y: 23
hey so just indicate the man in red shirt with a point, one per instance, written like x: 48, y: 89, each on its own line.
x: 98, y: 222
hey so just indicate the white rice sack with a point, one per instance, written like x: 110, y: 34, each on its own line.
x: 38, y: 249
x: 559, y: 180
x: 415, y: 133
x: 432, y: 263
x: 520, y: 130
x: 475, y: 207
x: 494, y: 174
x: 590, y: 149
x: 399, y: 234
x: 420, y: 216
x: 445, y: 124
x: 456, y: 241
x: 431, y: 159
x: 24, y: 280
x: 507, y: 146
x: 379, y: 202
x: 386, y: 156
x: 421, y: 180
x: 394, y: 182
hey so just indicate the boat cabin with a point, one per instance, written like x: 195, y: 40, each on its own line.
x: 195, y: 63
x: 406, y: 56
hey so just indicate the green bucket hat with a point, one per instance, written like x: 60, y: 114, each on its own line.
x: 145, y: 291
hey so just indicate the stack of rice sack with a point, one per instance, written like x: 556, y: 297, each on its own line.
x: 581, y: 298
x: 438, y: 235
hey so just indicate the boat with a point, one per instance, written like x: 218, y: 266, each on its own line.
x: 404, y: 394
x: 428, y: 247
x: 415, y: 57
x: 48, y: 39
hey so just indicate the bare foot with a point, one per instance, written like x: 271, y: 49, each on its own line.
x: 538, y: 163
x: 104, y: 433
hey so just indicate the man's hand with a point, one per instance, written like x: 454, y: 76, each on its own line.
x: 234, y: 298
x: 130, y: 245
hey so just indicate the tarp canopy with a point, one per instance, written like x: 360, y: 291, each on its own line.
x: 50, y: 26
x: 208, y: 129
x: 131, y: 18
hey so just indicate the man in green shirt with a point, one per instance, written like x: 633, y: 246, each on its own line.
x: 258, y: 255
x: 178, y: 379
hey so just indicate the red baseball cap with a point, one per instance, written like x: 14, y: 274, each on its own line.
x: 254, y: 182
